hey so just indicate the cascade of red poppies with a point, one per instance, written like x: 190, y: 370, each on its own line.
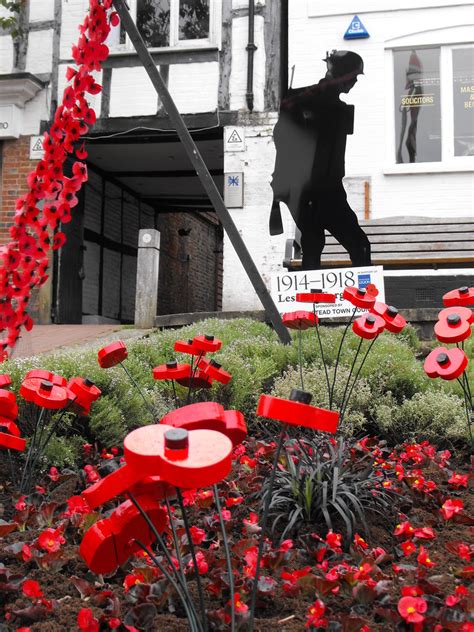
x: 51, y: 193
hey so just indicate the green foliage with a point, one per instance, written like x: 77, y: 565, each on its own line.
x: 330, y: 483
x: 62, y: 451
x: 315, y: 383
x: 432, y: 415
x: 10, y: 23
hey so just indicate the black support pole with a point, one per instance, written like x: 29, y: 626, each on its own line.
x: 202, y: 171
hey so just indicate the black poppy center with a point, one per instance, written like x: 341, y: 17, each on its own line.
x: 442, y: 358
x: 302, y: 397
x: 454, y: 319
x: 88, y: 382
x: 215, y: 364
x: 370, y: 320
x: 392, y: 311
x: 172, y: 364
x: 464, y: 290
x: 176, y: 439
x: 209, y: 337
x: 315, y: 290
x: 46, y: 385
x: 361, y: 291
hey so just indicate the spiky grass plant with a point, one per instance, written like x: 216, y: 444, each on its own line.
x: 323, y: 481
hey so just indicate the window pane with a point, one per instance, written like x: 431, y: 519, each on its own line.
x: 193, y: 19
x: 153, y: 22
x: 417, y: 105
x: 463, y: 101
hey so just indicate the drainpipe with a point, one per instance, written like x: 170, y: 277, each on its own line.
x: 250, y: 48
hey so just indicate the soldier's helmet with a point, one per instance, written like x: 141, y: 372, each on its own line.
x: 342, y: 63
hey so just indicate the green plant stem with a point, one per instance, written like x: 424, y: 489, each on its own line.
x: 350, y: 375
x: 195, y: 627
x: 175, y: 540
x: 193, y: 374
x: 166, y: 553
x: 31, y: 448
x: 136, y: 385
x: 467, y: 405
x: 300, y: 359
x: 228, y: 558
x: 193, y: 557
x: 346, y: 403
x: 41, y: 448
x: 266, y: 511
x: 331, y: 394
x: 322, y: 353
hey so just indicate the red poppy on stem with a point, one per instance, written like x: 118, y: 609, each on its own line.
x: 300, y: 320
x: 394, y: 322
x: 315, y: 296
x: 359, y: 297
x: 12, y: 442
x: 8, y: 405
x: 368, y: 326
x: 187, y: 347
x: 112, y: 354
x: 454, y: 324
x: 297, y: 411
x: 448, y: 364
x: 214, y: 370
x: 171, y: 371
x: 207, y: 343
x: 461, y: 296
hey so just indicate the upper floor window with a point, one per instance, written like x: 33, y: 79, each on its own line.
x: 434, y: 104
x: 172, y: 23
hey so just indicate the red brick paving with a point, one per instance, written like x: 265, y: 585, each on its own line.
x: 44, y: 338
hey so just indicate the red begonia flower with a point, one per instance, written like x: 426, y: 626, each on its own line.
x: 412, y: 609
x: 461, y: 296
x: 368, y: 326
x: 211, y: 416
x: 394, y: 322
x: 454, y: 324
x: 315, y: 296
x: 206, y: 343
x: 31, y: 588
x: 198, y: 458
x: 448, y: 364
x: 359, y: 297
x: 171, y: 371
x: 297, y: 411
x: 214, y: 370
x: 300, y: 320
x: 50, y: 540
x: 187, y: 347
x: 8, y: 405
x: 112, y: 354
x: 11, y: 442
x: 451, y: 507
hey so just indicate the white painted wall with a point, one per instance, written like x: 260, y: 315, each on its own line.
x: 41, y: 10
x: 443, y: 190
x: 314, y: 28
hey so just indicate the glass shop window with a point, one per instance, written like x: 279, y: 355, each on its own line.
x: 463, y: 101
x: 417, y: 105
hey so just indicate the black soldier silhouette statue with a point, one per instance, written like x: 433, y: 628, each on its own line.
x: 310, y: 140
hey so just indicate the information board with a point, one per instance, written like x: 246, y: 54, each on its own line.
x: 286, y: 285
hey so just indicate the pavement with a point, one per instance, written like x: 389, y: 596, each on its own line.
x: 47, y: 338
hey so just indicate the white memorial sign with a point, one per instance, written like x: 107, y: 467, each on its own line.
x: 286, y: 285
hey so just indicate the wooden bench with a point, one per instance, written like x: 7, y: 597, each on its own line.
x: 408, y: 242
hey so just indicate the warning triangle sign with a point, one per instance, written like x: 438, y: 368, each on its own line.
x: 356, y: 29
x: 38, y: 146
x: 234, y: 137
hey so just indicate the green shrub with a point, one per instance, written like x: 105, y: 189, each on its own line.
x: 432, y: 415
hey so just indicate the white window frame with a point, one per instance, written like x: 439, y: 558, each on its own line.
x: 213, y: 41
x: 449, y: 162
